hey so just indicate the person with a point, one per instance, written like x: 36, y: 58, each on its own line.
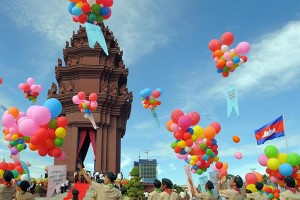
x: 146, y: 195
x: 259, y: 195
x: 7, y: 189
x: 167, y: 192
x: 208, y: 195
x: 62, y: 188
x: 33, y: 186
x: 104, y: 191
x: 66, y: 184
x: 290, y: 193
x: 124, y: 193
x: 24, y: 194
x: 75, y: 176
x: 234, y: 192
x: 155, y: 194
x: 75, y: 194
x: 97, y: 176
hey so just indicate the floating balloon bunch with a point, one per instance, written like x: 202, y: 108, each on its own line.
x: 228, y: 60
x: 92, y: 11
x: 16, y: 169
x: 30, y: 89
x: 87, y: 107
x: 150, y: 98
x: 195, y: 145
x: 280, y: 165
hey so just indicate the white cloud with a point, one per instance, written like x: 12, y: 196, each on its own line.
x: 172, y: 166
x: 126, y: 161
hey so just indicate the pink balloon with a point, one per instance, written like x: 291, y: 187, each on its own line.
x: 156, y: 94
x: 184, y: 122
x: 182, y: 157
x: 216, y: 126
x: 30, y: 81
x: 41, y: 115
x: 215, y: 169
x: 263, y: 160
x: 174, y: 127
x: 29, y: 111
x: 237, y: 50
x: 227, y: 56
x: 28, y: 127
x: 175, y: 115
x: 12, y: 130
x: 34, y: 88
x: 8, y: 120
x: 62, y: 156
x: 40, y: 88
x: 195, y: 117
x: 87, y: 102
x: 193, y: 170
x: 216, y: 59
x: 8, y: 145
x: 21, y: 86
x: 238, y: 155
x: 274, y: 179
x: 76, y: 100
x: 94, y: 104
x: 21, y: 119
x: 229, y: 63
x: 244, y: 47
x: 8, y: 137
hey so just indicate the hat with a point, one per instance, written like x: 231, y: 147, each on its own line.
x: 167, y: 182
x: 259, y: 185
x: 209, y: 185
x: 8, y: 175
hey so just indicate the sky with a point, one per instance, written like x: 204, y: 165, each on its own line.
x: 165, y: 45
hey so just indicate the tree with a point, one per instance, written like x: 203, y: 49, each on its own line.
x: 134, y: 187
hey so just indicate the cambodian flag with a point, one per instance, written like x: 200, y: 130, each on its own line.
x: 274, y: 129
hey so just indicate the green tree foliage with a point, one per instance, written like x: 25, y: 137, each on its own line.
x: 135, y: 190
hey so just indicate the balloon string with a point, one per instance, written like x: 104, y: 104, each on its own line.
x: 154, y: 114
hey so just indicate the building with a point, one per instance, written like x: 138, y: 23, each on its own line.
x: 147, y: 169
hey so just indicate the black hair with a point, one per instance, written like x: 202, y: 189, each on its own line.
x: 100, y: 180
x: 111, y: 176
x: 157, y: 183
x: 24, y: 185
x: 209, y: 185
x: 259, y: 185
x: 238, y: 181
x: 123, y: 190
x: 290, y: 182
x: 8, y: 175
x: 248, y: 191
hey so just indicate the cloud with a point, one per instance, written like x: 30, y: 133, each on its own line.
x: 126, y: 161
x: 172, y: 166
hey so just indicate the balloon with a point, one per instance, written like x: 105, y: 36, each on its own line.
x: 251, y: 178
x: 8, y: 120
x: 85, y: 7
x: 62, y: 122
x: 41, y: 115
x: 227, y: 56
x: 14, y: 112
x: 175, y: 115
x: 293, y: 159
x: 216, y: 126
x: 174, y: 127
x: 282, y: 157
x: 209, y: 132
x: 62, y: 156
x: 251, y: 187
x: 235, y: 139
x: 224, y: 48
x: 54, y: 106
x: 244, y: 47
x: 30, y: 81
x: 258, y: 176
x: 198, y: 130
x: 263, y: 159
x: 273, y: 164
x: 184, y: 122
x: 28, y: 127
x: 219, y: 165
x: 214, y: 45
x: 168, y: 125
x: 238, y: 155
x: 58, y: 142
x: 156, y: 94
x: 76, y: 100
x: 24, y: 177
x: 227, y: 38
x: 1, y: 81
x: 107, y: 3
x: 286, y: 169
x: 195, y: 117
x: 42, y: 151
x: 271, y: 151
x: 60, y: 132
x: 93, y: 97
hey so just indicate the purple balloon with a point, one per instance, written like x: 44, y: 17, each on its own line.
x: 14, y: 151
x: 41, y: 115
x: 182, y: 157
x: 28, y: 127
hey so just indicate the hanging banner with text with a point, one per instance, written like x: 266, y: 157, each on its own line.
x: 57, y: 175
x: 189, y: 176
x: 232, y: 101
x: 94, y: 34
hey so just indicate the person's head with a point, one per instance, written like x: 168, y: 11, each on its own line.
x: 24, y: 185
x: 248, y: 191
x: 123, y: 190
x: 157, y: 183
x: 8, y: 175
x: 166, y: 184
x: 259, y: 185
x: 109, y: 178
x: 289, y: 182
x: 209, y: 185
x: 236, y: 181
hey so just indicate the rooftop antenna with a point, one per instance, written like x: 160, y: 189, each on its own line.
x: 147, y: 149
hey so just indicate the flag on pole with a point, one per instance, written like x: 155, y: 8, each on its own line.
x: 274, y: 129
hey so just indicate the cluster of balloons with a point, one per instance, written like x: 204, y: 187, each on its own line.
x: 16, y: 169
x: 268, y: 190
x: 221, y: 168
x: 280, y: 165
x: 40, y: 127
x: 92, y: 11
x: 86, y: 106
x: 150, y: 98
x: 30, y: 89
x: 195, y: 145
x: 228, y: 60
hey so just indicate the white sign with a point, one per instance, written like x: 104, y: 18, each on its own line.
x: 57, y: 175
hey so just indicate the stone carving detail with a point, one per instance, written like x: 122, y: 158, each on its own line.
x: 114, y: 89
x: 121, y: 64
x: 123, y: 91
x: 104, y: 86
x: 70, y: 87
x: 77, y: 59
x: 67, y: 44
x: 62, y: 88
x: 69, y: 62
x: 130, y: 97
x: 125, y: 72
x: 110, y: 64
x: 53, y: 90
x: 102, y: 60
x: 121, y: 53
x: 59, y: 62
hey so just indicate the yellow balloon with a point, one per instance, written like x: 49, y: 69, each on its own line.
x: 14, y: 137
x: 282, y: 157
x: 251, y: 187
x: 181, y: 144
x: 216, y: 158
x: 192, y: 162
x: 4, y: 137
x: 60, y: 132
x: 194, y: 137
x: 272, y: 187
x: 198, y: 130
x: 79, y: 5
x: 1, y: 173
x: 232, y: 54
x: 273, y: 164
x: 195, y: 158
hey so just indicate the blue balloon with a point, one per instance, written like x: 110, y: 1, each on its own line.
x: 236, y: 59
x: 25, y: 146
x: 54, y: 106
x: 147, y: 92
x: 70, y: 6
x: 214, y: 141
x: 205, y: 157
x: 19, y: 182
x: 286, y: 169
x: 213, y: 155
x: 104, y: 11
x: 160, y: 90
x: 219, y: 70
x: 182, y: 152
x: 190, y: 130
x: 76, y: 11
x: 195, y: 167
x: 20, y: 141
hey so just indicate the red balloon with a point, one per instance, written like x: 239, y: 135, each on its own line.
x: 81, y: 95
x: 56, y: 152
x: 19, y: 169
x: 214, y: 45
x: 187, y: 136
x: 17, y: 163
x: 177, y: 149
x: 10, y: 166
x: 49, y: 144
x: 209, y: 143
x: 83, y: 18
x: 3, y: 166
x: 219, y: 165
x: 51, y: 134
x: 75, y: 18
x: 251, y: 178
x: 34, y: 140
x: 195, y: 118
x: 178, y: 135
x: 227, y: 38
x: 62, y: 122
x: 108, y: 15
x: 175, y: 115
x: 42, y: 135
x: 107, y: 3
x: 26, y: 88
x: 156, y: 94
x: 223, y: 172
x: 225, y: 74
x: 244, y: 58
x: 42, y: 151
x: 85, y: 7
x: 93, y: 97
x: 1, y: 81
x: 189, y: 143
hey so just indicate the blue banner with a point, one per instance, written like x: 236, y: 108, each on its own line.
x: 25, y: 167
x: 94, y: 34
x: 232, y: 101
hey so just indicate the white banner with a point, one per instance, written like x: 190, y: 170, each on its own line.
x: 57, y: 175
x: 214, y: 180
x: 189, y: 176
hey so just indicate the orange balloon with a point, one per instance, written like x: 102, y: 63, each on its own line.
x: 221, y: 63
x: 32, y: 147
x: 14, y: 112
x: 276, y: 195
x: 168, y: 124
x: 236, y: 139
x: 259, y: 176
x: 298, y: 177
x: 209, y: 132
x: 225, y: 166
x: 219, y: 53
x: 5, y: 131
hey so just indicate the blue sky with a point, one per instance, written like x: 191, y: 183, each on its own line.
x: 165, y: 45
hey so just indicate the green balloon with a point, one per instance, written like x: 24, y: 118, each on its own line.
x: 15, y: 173
x: 13, y: 143
x: 20, y: 147
x: 199, y: 171
x: 92, y: 17
x: 173, y: 145
x: 58, y: 142
x: 204, y: 170
x: 100, y: 20
x: 96, y: 8
x: 292, y: 159
x: 226, y: 69
x: 52, y: 124
x: 209, y: 152
x: 26, y: 138
x: 271, y: 151
x: 202, y: 146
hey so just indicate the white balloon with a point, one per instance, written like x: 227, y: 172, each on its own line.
x: 204, y: 140
x: 91, y: 2
x: 189, y: 157
x: 224, y: 48
x: 24, y: 177
x: 241, y: 62
x: 187, y: 149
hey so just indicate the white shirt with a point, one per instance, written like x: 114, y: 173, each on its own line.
x: 97, y: 174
